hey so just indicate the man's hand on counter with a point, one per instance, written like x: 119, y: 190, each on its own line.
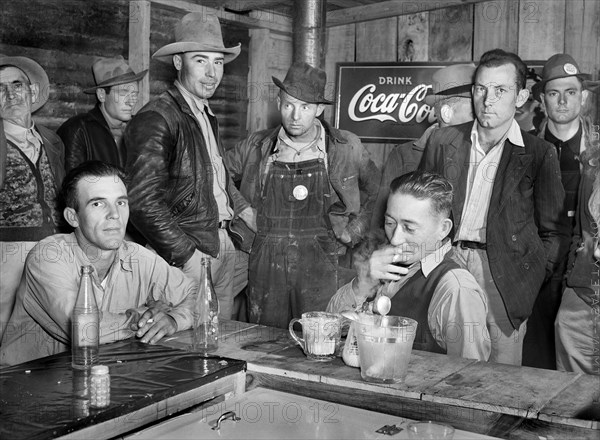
x: 154, y: 323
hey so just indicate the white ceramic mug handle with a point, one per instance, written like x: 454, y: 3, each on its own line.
x: 300, y: 341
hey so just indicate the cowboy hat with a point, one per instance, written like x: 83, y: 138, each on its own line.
x: 304, y: 82
x: 197, y: 32
x: 110, y: 72
x: 560, y: 65
x: 455, y: 80
x: 35, y: 73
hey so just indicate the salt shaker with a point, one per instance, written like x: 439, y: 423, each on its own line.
x: 100, y: 387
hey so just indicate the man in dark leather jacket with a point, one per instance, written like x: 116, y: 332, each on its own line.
x: 182, y: 198
x: 96, y: 135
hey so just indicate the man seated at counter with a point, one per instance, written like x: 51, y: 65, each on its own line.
x: 415, y: 269
x: 137, y: 292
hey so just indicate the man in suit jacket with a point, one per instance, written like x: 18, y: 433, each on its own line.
x: 508, y: 200
x: 451, y: 101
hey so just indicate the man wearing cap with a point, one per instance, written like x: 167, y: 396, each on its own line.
x: 96, y: 135
x: 452, y: 104
x: 507, y: 200
x: 181, y: 195
x: 32, y: 169
x: 563, y: 96
x: 313, y: 188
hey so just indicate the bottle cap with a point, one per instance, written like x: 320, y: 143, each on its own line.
x: 99, y: 369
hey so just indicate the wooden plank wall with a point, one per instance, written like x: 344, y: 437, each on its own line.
x: 535, y: 30
x: 66, y: 36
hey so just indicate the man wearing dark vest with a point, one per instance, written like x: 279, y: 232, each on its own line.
x: 415, y: 269
x: 97, y: 134
x: 31, y: 172
x: 563, y: 96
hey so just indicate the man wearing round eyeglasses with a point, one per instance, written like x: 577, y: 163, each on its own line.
x: 507, y: 203
x: 31, y: 171
x: 97, y: 134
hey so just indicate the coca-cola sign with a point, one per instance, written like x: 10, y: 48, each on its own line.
x: 384, y: 102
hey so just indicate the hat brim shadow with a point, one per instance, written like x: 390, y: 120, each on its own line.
x: 166, y: 53
x: 117, y: 81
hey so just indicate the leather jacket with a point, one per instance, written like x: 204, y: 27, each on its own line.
x: 353, y: 176
x: 87, y: 137
x: 171, y: 180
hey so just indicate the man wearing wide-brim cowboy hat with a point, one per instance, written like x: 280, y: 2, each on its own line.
x: 452, y: 104
x: 562, y: 94
x: 182, y: 198
x: 31, y: 171
x: 313, y: 188
x: 96, y: 135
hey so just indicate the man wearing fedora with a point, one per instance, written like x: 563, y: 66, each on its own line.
x: 563, y: 97
x: 452, y: 104
x: 313, y: 188
x: 32, y: 169
x: 507, y: 200
x: 97, y: 134
x: 181, y: 195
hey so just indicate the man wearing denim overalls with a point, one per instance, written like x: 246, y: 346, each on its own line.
x: 313, y: 188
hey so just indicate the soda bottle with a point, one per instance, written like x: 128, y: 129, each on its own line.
x: 205, y: 336
x: 85, y: 324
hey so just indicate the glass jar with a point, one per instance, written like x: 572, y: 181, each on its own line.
x: 99, y: 387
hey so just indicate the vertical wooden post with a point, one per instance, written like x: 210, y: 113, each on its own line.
x: 139, y: 44
x: 258, y: 80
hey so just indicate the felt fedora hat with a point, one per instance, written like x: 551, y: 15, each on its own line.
x: 304, y: 82
x: 197, y: 32
x: 36, y: 74
x: 560, y: 65
x: 455, y: 80
x: 110, y: 72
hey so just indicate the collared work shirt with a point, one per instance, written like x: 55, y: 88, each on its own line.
x: 28, y: 140
x: 480, y: 182
x: 457, y: 312
x: 199, y: 108
x: 40, y: 323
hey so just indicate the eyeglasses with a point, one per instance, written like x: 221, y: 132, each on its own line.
x: 13, y: 87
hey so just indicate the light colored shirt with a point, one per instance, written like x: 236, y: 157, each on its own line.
x: 456, y: 315
x: 480, y: 182
x: 200, y: 107
x: 40, y: 323
x: 28, y: 140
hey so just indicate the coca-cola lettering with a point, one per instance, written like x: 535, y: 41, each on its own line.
x: 365, y: 105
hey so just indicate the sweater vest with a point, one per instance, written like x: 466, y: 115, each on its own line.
x: 412, y: 301
x: 28, y: 198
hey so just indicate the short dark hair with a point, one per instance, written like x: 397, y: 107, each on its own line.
x: 424, y: 185
x: 91, y: 168
x: 499, y: 57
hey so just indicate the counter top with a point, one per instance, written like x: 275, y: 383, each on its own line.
x: 46, y: 398
x: 494, y: 399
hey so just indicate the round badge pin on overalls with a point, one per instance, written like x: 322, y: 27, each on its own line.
x: 300, y: 192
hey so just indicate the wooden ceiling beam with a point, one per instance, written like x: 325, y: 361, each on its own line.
x: 250, y: 5
x: 257, y: 20
x: 391, y: 8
